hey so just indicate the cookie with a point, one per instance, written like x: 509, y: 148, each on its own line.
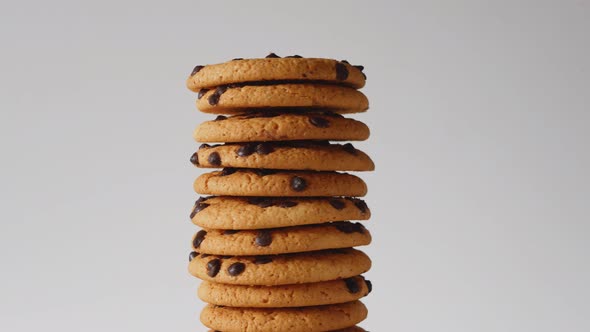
x: 295, y: 155
x: 304, y: 319
x: 237, y: 99
x: 258, y: 182
x: 299, y: 295
x: 348, y: 329
x: 263, y: 212
x: 284, y: 269
x: 281, y: 240
x: 276, y: 126
x: 276, y: 69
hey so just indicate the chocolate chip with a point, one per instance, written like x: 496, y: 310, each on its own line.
x: 204, y: 146
x: 263, y: 238
x: 360, y: 204
x: 332, y: 114
x: 262, y: 202
x: 338, y: 204
x: 298, y: 183
x: 349, y: 148
x: 197, y: 69
x: 341, y: 71
x: 246, y: 149
x: 226, y: 256
x: 201, y: 93
x: 220, y: 118
x: 294, y: 56
x: 199, y: 238
x: 192, y: 255
x: 236, y: 269
x: 361, y: 68
x: 348, y: 227
x: 201, y: 199
x: 213, y: 267
x: 235, y: 59
x: 264, y: 148
x: 205, y: 255
x: 272, y: 55
x: 369, y: 285
x: 287, y: 204
x: 230, y: 231
x: 214, y: 159
x: 344, y: 61
x: 352, y: 285
x: 319, y: 122
x: 195, y: 159
x: 227, y: 171
x: 214, y: 98
x: 262, y: 260
x: 199, y: 206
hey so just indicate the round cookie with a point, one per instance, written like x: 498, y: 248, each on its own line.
x: 296, y: 155
x: 299, y: 295
x: 226, y: 212
x: 284, y: 269
x: 295, y: 69
x: 276, y: 126
x: 255, y: 182
x: 237, y: 99
x: 304, y: 319
x: 284, y: 240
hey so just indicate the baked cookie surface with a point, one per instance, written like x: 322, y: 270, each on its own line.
x: 276, y: 126
x: 241, y: 213
x: 276, y: 69
x: 304, y: 319
x: 295, y: 155
x: 284, y: 269
x: 281, y: 240
x: 258, y: 182
x: 298, y: 295
x: 238, y: 99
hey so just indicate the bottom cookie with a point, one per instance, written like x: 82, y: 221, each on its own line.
x: 306, y: 319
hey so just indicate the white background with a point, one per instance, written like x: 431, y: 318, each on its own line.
x: 480, y: 132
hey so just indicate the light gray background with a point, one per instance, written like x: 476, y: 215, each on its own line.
x: 480, y: 130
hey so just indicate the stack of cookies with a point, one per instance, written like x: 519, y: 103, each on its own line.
x: 275, y: 252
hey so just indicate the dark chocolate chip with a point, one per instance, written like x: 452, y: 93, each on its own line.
x: 199, y: 238
x: 360, y: 204
x: 226, y: 256
x: 264, y: 148
x: 262, y: 260
x: 319, y: 122
x: 272, y: 55
x: 294, y: 56
x: 204, y: 146
x: 197, y: 69
x: 201, y: 199
x: 236, y: 269
x: 346, y: 62
x: 201, y: 93
x: 230, y: 231
x: 369, y: 285
x: 262, y: 202
x: 220, y: 118
x: 338, y: 204
x: 352, y: 285
x: 246, y: 149
x: 199, y: 206
x: 349, y: 148
x: 263, y: 238
x: 192, y: 255
x: 228, y: 171
x: 298, y: 183
x: 287, y: 204
x: 213, y: 99
x: 195, y: 159
x: 348, y: 227
x: 341, y: 71
x: 205, y: 255
x: 235, y: 59
x: 213, y: 267
x: 214, y: 159
x: 361, y: 68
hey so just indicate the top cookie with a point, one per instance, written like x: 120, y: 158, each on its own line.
x: 292, y: 69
